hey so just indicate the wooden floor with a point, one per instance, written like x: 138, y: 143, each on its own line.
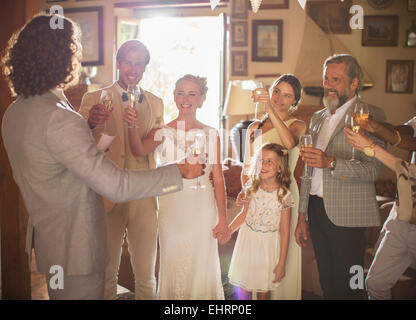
x: 40, y: 292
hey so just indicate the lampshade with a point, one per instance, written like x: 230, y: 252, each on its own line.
x: 238, y: 98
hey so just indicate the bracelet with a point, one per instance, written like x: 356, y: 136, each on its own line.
x: 399, y: 139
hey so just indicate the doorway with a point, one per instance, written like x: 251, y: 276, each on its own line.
x: 182, y: 45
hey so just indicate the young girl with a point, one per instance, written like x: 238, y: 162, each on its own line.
x: 259, y: 258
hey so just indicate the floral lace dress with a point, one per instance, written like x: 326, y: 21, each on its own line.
x: 257, y: 248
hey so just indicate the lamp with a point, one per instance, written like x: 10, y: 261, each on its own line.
x: 238, y: 102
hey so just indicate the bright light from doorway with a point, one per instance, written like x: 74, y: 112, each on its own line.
x: 179, y: 46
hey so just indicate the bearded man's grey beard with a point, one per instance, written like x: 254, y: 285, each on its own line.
x: 335, y: 103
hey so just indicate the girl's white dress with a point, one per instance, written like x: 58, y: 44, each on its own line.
x: 189, y: 259
x: 257, y: 249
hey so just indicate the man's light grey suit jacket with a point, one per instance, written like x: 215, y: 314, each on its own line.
x: 62, y: 176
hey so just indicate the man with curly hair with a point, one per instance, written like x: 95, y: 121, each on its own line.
x: 57, y: 166
x: 137, y: 219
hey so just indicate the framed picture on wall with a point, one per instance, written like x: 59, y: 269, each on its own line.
x: 380, y: 31
x: 330, y: 16
x: 399, y: 76
x: 239, y: 63
x: 239, y: 9
x: 411, y: 5
x: 239, y: 34
x: 273, y: 4
x: 267, y: 40
x: 90, y: 19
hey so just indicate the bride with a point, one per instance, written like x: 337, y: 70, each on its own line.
x: 190, y: 221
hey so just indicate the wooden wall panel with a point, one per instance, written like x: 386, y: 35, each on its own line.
x: 15, y: 267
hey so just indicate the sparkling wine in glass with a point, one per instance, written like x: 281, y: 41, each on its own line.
x: 133, y: 93
x: 305, y: 141
x: 260, y: 108
x: 106, y: 99
x: 197, y: 148
x: 361, y: 113
x: 352, y: 122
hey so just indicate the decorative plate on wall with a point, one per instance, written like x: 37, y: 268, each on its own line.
x: 380, y: 4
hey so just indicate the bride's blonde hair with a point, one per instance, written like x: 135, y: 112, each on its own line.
x: 282, y: 177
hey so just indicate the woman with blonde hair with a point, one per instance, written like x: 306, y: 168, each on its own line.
x: 191, y: 221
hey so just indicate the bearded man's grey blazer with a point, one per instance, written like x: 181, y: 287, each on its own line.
x: 349, y: 193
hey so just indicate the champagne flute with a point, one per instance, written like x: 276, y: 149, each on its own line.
x: 133, y: 93
x: 305, y: 141
x: 352, y: 122
x: 197, y: 147
x: 106, y: 99
x: 260, y: 108
x: 361, y: 112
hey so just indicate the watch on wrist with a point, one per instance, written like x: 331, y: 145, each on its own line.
x: 369, y: 150
x: 332, y: 165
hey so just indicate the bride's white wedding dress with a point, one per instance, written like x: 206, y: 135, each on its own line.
x: 189, y: 260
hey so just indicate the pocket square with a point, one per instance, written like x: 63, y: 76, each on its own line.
x: 124, y: 96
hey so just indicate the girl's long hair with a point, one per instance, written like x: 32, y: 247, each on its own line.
x: 282, y: 178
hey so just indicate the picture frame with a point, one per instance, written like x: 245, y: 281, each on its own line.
x: 399, y: 76
x: 239, y: 63
x: 239, y: 33
x: 380, y: 4
x: 273, y: 4
x: 90, y: 20
x: 267, y: 40
x: 331, y: 16
x: 380, y: 31
x: 239, y: 9
x: 411, y: 5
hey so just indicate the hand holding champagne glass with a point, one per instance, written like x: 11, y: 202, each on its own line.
x: 106, y: 99
x: 305, y: 141
x: 260, y: 108
x: 133, y: 93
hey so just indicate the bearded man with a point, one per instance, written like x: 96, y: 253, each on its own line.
x: 339, y: 201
